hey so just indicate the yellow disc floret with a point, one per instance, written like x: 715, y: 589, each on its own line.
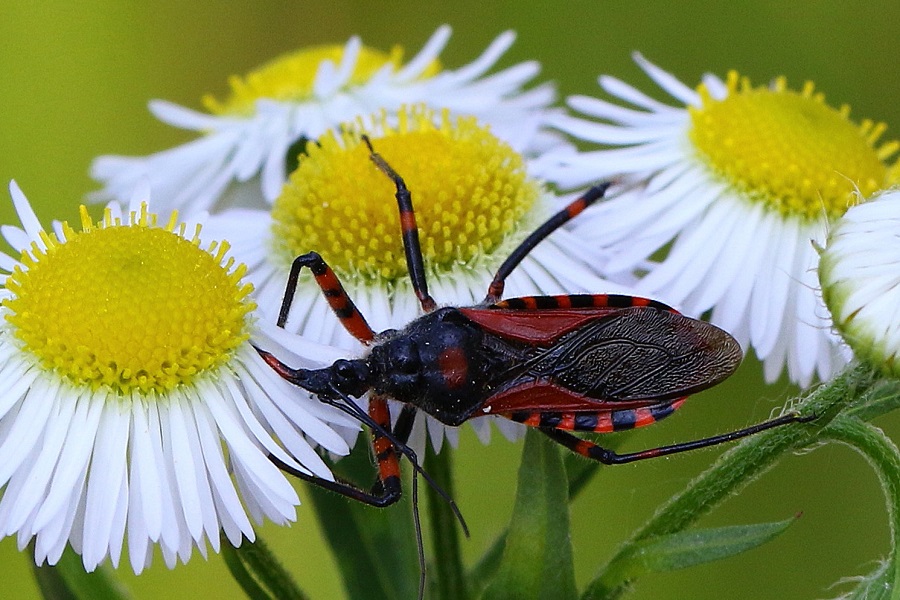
x: 132, y: 306
x: 470, y: 192
x: 790, y: 150
x: 291, y: 77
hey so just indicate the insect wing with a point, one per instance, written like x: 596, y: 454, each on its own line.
x: 543, y: 319
x: 628, y: 358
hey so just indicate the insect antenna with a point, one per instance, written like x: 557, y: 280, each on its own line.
x: 347, y: 405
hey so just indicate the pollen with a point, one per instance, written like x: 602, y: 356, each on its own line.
x: 291, y: 77
x: 133, y: 306
x: 789, y: 149
x: 470, y: 193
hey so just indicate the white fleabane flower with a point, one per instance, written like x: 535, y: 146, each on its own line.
x: 474, y: 202
x: 301, y: 95
x: 133, y: 403
x: 738, y: 181
x: 860, y: 275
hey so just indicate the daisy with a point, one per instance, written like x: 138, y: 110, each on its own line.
x: 474, y: 203
x: 253, y: 133
x: 733, y: 185
x: 860, y: 275
x: 133, y: 402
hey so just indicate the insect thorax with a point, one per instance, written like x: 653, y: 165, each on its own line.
x: 439, y: 364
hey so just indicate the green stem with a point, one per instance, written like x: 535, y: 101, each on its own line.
x: 449, y: 581
x: 884, y: 457
x: 260, y: 564
x: 733, y: 471
x: 240, y: 573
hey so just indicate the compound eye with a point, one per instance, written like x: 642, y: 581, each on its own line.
x: 343, y: 369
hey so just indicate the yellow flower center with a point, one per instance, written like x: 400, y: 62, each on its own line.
x: 290, y: 77
x: 789, y: 149
x: 470, y: 192
x: 131, y: 306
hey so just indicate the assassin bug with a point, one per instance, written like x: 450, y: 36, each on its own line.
x: 590, y: 363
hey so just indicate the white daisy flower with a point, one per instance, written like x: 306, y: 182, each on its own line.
x: 474, y: 203
x: 860, y: 275
x: 133, y: 402
x: 738, y: 181
x: 303, y: 94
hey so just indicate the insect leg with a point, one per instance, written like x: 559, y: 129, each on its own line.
x: 386, y: 445
x: 383, y: 446
x: 414, y: 262
x: 495, y: 290
x: 591, y: 450
x: 406, y: 420
x: 334, y: 293
x: 377, y: 497
x: 378, y: 420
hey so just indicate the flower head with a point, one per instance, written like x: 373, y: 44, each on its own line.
x: 738, y: 182
x: 474, y: 203
x: 257, y: 129
x: 134, y: 403
x: 860, y: 275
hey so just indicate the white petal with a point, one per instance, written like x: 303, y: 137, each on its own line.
x: 103, y: 487
x: 226, y: 494
x: 184, y: 118
x: 23, y: 434
x: 667, y: 81
x: 179, y: 449
x: 29, y: 220
x: 429, y: 52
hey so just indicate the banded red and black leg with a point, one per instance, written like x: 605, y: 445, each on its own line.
x: 495, y: 290
x: 387, y: 489
x: 337, y: 298
x: 593, y: 451
x: 415, y: 264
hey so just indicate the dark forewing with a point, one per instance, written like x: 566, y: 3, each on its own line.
x: 543, y: 319
x: 639, y: 353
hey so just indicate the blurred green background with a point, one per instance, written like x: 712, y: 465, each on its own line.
x: 75, y: 79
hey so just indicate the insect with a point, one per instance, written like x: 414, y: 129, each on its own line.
x: 561, y: 364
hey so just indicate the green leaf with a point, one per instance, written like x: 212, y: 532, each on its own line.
x: 375, y: 548
x: 580, y: 472
x: 537, y: 558
x: 689, y: 548
x: 484, y: 570
x: 68, y: 580
x: 446, y: 569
